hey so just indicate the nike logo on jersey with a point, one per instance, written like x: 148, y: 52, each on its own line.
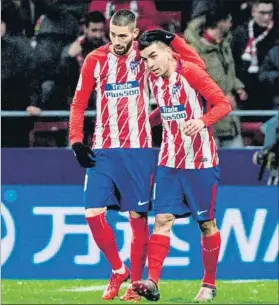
x: 201, y: 212
x: 168, y: 36
x: 142, y: 202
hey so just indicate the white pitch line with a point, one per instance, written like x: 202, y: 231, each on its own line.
x: 125, y: 285
x: 249, y: 281
x: 95, y: 287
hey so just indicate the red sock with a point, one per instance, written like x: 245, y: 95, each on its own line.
x: 105, y: 240
x: 210, y: 252
x: 138, y: 246
x: 158, y: 248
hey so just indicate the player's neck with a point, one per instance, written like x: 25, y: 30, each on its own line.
x: 172, y: 67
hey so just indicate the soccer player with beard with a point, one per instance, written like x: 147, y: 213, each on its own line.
x: 122, y: 164
x: 188, y: 171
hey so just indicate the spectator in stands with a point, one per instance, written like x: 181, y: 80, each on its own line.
x: 269, y: 74
x: 16, y: 73
x: 202, y: 7
x: 250, y: 44
x: 240, y: 9
x: 15, y: 18
x: 56, y: 28
x: 74, y: 54
x: 212, y: 40
x: 145, y: 11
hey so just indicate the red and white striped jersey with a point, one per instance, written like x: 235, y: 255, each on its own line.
x: 179, y: 98
x: 122, y: 99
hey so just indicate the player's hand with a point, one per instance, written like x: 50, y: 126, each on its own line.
x: 75, y: 49
x: 161, y: 35
x: 192, y: 127
x: 84, y: 155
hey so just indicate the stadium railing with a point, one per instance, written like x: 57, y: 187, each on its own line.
x: 248, y: 129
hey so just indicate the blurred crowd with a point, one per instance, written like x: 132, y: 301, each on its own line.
x: 44, y: 43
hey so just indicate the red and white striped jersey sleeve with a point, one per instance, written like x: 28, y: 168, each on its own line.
x: 84, y: 88
x: 217, y: 103
x: 187, y: 53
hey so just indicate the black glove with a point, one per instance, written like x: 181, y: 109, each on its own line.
x: 161, y: 35
x: 84, y: 155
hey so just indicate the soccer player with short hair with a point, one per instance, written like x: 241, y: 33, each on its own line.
x: 122, y: 164
x: 188, y: 171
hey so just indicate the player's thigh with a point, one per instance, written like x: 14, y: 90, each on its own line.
x: 135, y: 179
x: 200, y: 189
x: 167, y: 197
x: 99, y: 190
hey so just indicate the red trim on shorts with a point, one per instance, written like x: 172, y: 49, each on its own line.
x: 213, y: 200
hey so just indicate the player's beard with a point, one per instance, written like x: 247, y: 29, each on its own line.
x: 95, y: 43
x: 124, y: 50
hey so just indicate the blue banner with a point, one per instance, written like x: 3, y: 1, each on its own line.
x: 59, y: 166
x: 44, y: 235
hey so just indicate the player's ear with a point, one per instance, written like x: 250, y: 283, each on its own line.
x: 169, y: 52
x: 136, y: 33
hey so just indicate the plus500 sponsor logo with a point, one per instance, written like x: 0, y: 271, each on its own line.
x: 122, y: 89
x: 173, y: 113
x: 249, y: 244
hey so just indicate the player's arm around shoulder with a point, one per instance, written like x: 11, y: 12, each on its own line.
x: 178, y: 45
x: 187, y: 52
x: 203, y: 84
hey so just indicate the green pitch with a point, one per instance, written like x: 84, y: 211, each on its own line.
x: 172, y: 292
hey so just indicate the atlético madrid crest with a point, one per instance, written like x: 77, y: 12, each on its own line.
x: 134, y: 65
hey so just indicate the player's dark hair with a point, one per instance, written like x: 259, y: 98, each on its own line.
x: 94, y: 17
x: 123, y: 18
x: 212, y: 18
x: 146, y: 39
